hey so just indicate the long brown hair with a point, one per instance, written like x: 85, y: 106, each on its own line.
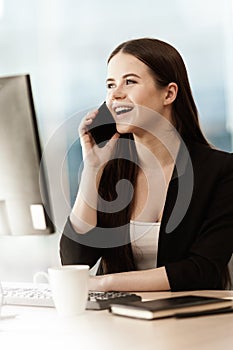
x: 166, y: 66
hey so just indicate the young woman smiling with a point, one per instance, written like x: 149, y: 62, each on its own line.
x: 155, y: 203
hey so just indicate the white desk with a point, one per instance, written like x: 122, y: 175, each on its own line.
x: 41, y: 328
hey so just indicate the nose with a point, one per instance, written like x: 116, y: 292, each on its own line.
x: 117, y: 93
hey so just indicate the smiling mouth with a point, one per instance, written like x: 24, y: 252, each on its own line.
x: 122, y: 109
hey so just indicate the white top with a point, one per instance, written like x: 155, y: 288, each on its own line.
x: 144, y: 240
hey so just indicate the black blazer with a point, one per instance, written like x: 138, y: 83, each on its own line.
x: 196, y: 234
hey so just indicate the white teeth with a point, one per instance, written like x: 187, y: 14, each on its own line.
x: 122, y: 109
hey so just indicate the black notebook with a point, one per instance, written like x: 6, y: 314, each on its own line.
x: 173, y: 306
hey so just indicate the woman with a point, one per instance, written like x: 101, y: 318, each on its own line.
x: 174, y: 231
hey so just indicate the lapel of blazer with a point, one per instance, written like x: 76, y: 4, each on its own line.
x: 178, y: 198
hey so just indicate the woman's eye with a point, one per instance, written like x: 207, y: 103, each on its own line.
x: 110, y: 85
x: 130, y: 81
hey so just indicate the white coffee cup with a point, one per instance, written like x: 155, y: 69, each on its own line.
x: 69, y: 285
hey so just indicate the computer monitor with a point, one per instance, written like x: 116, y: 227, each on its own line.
x: 24, y: 193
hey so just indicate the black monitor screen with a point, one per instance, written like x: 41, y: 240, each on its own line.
x: 22, y: 177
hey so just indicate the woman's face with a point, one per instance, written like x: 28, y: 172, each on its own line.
x: 131, y: 85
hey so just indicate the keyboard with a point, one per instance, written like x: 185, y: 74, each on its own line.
x: 103, y: 300
x: 29, y: 294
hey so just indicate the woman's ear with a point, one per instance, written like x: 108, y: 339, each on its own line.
x: 171, y: 93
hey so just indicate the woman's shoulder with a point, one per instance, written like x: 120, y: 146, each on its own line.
x: 204, y: 156
x: 210, y: 152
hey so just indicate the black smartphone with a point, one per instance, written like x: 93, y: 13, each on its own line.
x: 103, y: 126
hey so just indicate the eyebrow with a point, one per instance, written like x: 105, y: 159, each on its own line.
x: 125, y: 76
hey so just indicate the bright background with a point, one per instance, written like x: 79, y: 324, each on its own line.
x: 64, y: 45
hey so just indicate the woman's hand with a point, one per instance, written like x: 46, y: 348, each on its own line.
x: 84, y: 212
x: 98, y: 283
x: 94, y: 156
